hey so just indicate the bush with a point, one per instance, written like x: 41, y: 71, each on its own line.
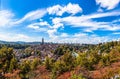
x: 75, y: 76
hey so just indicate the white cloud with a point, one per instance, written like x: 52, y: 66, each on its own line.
x: 108, y: 4
x: 61, y: 38
x: 100, y: 10
x: 17, y: 37
x: 53, y: 29
x: 56, y: 20
x: 100, y: 15
x: 64, y: 35
x: 21, y: 36
x: 56, y: 26
x: 57, y: 23
x: 69, y: 8
x: 116, y: 33
x: 38, y: 27
x: 54, y: 10
x: 112, y: 28
x: 80, y: 34
x: 93, y: 39
x: 44, y: 26
x: 6, y: 17
x: 7, y: 20
x: 33, y: 27
x: 51, y: 33
x: 44, y: 23
x: 116, y: 20
x: 33, y: 15
x: 86, y: 22
x: 80, y: 38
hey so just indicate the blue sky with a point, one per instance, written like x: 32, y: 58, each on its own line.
x: 73, y: 21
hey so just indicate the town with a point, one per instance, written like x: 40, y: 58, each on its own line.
x: 59, y: 60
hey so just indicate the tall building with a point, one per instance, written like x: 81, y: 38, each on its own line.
x: 42, y: 40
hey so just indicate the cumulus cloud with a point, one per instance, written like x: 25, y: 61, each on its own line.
x: 108, y: 4
x: 59, y: 10
x: 54, y: 10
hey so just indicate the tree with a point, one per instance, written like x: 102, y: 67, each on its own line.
x: 6, y: 59
x: 59, y: 51
x: 79, y: 76
x: 25, y: 68
x: 105, y: 60
x: 35, y: 63
x: 114, y: 55
x: 81, y: 59
x: 13, y: 64
x: 65, y: 63
x: 48, y: 63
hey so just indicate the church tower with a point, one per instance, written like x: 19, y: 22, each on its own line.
x: 42, y: 40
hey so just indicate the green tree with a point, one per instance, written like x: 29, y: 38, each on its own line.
x: 13, y: 64
x: 25, y: 68
x: 81, y: 59
x: 75, y: 76
x: 6, y: 58
x: 35, y: 63
x: 65, y: 63
x: 48, y: 63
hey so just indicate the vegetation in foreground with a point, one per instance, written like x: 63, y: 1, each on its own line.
x: 101, y: 61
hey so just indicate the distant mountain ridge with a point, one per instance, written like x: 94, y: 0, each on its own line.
x: 18, y: 42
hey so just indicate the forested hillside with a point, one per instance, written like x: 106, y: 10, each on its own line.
x: 60, y: 61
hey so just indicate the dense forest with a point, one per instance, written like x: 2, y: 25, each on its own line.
x: 60, y: 61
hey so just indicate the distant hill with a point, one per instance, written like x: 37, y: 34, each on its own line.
x: 18, y: 42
